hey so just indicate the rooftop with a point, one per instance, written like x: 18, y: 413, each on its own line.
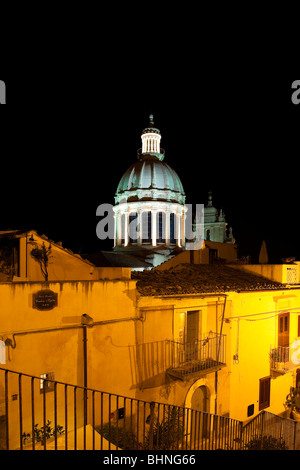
x: 115, y: 259
x: 200, y: 278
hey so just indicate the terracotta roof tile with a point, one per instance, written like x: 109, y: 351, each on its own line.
x: 200, y: 278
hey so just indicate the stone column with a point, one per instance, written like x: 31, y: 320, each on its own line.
x: 139, y: 226
x: 126, y: 237
x: 167, y: 234
x: 115, y: 230
x: 182, y: 228
x: 178, y: 231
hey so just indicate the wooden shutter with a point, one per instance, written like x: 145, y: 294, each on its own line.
x: 284, y: 329
x: 298, y: 378
x: 264, y: 392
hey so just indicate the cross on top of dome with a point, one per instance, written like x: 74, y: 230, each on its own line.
x: 151, y: 121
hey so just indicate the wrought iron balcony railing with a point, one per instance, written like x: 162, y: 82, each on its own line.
x: 285, y: 358
x: 197, y: 358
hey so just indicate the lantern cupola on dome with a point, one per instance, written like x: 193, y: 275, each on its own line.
x: 151, y: 140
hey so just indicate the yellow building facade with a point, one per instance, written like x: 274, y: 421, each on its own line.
x: 216, y: 338
x: 259, y: 326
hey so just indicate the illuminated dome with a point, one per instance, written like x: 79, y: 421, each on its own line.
x: 149, y: 201
x: 150, y: 179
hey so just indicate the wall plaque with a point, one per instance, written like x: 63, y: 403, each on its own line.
x: 44, y: 299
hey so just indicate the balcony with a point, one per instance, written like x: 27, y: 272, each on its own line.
x: 198, y: 358
x: 284, y: 358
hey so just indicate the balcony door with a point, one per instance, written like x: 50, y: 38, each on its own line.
x: 284, y: 329
x: 283, y: 336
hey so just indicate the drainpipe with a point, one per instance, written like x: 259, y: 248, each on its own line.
x: 218, y: 353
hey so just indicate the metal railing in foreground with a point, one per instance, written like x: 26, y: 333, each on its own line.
x: 267, y: 431
x: 41, y: 413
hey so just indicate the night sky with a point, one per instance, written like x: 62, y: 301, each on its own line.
x: 67, y: 139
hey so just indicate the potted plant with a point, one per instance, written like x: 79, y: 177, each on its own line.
x: 293, y: 402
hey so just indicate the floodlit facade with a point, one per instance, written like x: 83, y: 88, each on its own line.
x: 234, y: 348
x: 198, y: 331
x: 214, y: 338
x: 215, y: 225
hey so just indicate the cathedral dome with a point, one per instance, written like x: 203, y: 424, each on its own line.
x: 150, y: 179
x: 149, y: 206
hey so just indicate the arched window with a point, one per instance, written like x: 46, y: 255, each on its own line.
x: 146, y: 227
x: 133, y: 228
x: 161, y: 227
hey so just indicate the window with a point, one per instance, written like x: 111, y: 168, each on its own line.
x: 118, y: 414
x: 264, y: 393
x: 161, y: 227
x: 146, y: 227
x: 297, y: 378
x: 291, y: 275
x: 250, y: 410
x: 133, y: 221
x: 2, y: 352
x: 123, y: 217
x: 172, y: 228
x: 283, y: 329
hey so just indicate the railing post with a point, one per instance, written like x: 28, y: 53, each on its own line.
x: 44, y: 414
x: 262, y: 427
x: 241, y: 438
x: 20, y: 412
x: 152, y: 405
x: 6, y: 411
x: 32, y: 413
x: 84, y: 339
